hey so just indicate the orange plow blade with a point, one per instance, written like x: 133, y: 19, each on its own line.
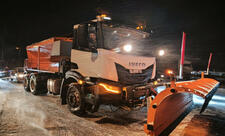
x: 172, y: 102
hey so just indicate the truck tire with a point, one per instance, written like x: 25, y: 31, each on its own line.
x: 37, y: 85
x: 26, y: 84
x: 75, y: 100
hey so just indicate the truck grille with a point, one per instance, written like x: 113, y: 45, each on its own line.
x: 125, y: 77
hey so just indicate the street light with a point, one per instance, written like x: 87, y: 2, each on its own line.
x: 17, y: 48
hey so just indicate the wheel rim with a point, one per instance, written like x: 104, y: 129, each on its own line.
x: 74, y: 99
x: 32, y: 86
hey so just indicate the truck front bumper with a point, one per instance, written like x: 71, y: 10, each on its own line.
x: 119, y: 95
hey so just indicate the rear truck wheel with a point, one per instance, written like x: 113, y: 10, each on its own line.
x: 37, y: 85
x: 75, y: 100
x: 26, y: 84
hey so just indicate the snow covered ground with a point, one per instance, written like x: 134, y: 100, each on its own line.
x: 22, y: 114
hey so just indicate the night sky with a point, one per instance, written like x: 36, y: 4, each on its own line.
x: 23, y: 23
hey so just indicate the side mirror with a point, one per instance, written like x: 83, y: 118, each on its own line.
x: 94, y: 50
x: 73, y: 66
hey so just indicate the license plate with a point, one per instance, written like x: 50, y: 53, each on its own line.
x: 134, y: 71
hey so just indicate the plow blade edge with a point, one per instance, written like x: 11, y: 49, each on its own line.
x: 172, y: 102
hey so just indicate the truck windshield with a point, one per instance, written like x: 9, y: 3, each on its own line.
x: 115, y: 36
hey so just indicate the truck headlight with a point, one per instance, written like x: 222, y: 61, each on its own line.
x: 127, y: 47
x: 111, y: 89
x: 161, y: 52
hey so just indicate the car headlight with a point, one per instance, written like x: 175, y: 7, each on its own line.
x: 20, y: 75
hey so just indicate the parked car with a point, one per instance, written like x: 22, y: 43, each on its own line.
x: 3, y: 73
x: 17, y: 74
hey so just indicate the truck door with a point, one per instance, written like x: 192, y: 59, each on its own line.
x: 84, y: 52
x: 85, y: 38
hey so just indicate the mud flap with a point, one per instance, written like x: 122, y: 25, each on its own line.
x: 172, y: 102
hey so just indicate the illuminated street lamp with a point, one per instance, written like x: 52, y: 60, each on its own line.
x: 17, y: 48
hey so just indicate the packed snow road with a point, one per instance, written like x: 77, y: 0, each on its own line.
x: 23, y: 114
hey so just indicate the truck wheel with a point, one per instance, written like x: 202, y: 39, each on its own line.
x: 75, y: 100
x: 26, y: 84
x: 33, y: 84
x: 37, y: 85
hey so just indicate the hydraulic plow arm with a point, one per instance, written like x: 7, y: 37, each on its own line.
x: 172, y: 102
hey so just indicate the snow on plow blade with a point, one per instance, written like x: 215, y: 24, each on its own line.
x: 172, y: 102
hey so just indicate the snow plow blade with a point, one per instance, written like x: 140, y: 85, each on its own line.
x: 174, y: 101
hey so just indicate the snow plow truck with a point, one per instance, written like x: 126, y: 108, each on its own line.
x: 96, y: 66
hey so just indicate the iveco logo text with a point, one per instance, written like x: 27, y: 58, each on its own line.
x: 136, y: 64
